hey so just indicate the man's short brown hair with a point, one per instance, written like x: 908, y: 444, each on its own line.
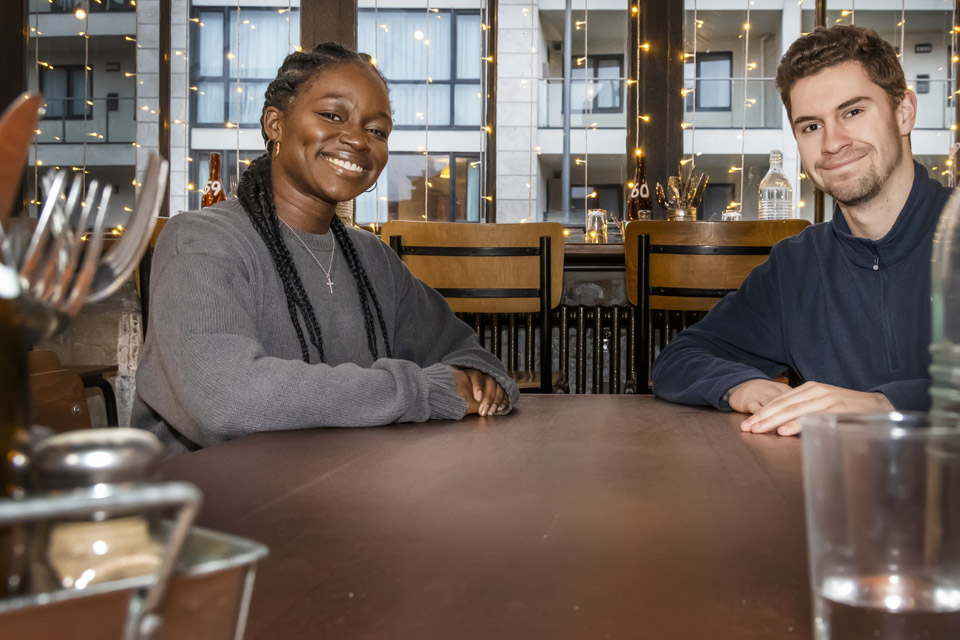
x: 826, y: 47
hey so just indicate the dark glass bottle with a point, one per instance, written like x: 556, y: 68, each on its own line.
x: 639, y: 202
x: 14, y: 419
x: 213, y: 192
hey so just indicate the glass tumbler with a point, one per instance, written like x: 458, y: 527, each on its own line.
x: 882, y: 496
x: 595, y: 229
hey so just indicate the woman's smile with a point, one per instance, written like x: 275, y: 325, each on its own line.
x: 350, y: 167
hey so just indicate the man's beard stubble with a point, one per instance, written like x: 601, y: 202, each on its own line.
x: 869, y: 184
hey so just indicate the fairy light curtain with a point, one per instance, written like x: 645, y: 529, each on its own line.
x: 433, y: 60
x: 925, y: 37
x: 225, y: 55
x: 87, y: 74
x: 733, y: 115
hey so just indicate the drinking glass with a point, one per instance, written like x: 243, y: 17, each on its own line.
x: 596, y: 226
x: 883, y: 526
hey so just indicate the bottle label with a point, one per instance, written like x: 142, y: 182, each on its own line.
x: 640, y: 191
x: 213, y: 186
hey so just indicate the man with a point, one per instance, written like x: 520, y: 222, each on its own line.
x: 845, y: 304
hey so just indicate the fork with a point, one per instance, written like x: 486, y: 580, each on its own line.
x: 54, y: 283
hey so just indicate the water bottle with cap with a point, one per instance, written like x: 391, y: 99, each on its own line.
x: 776, y: 193
x: 945, y: 318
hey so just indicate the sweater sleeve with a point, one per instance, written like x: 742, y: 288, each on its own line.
x: 907, y: 395
x: 209, y: 376
x: 740, y: 339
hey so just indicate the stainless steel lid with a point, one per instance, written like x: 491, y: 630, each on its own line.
x: 91, y: 456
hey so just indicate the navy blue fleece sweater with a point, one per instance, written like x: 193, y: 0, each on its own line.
x: 836, y: 308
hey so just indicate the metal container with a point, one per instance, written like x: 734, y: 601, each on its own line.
x: 92, y: 456
x: 200, y: 591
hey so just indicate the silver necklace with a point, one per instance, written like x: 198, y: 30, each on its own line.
x: 326, y: 270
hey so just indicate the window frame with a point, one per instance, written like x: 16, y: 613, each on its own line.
x: 69, y: 112
x: 713, y: 56
x: 592, y: 63
x: 453, y: 82
x: 452, y: 156
x: 228, y: 81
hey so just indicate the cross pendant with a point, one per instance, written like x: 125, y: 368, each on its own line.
x: 330, y: 284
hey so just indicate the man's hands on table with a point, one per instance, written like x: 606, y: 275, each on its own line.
x: 483, y: 393
x: 775, y: 405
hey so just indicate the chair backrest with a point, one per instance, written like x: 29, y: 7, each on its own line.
x: 694, y: 264
x: 463, y: 261
x: 57, y: 400
x: 490, y: 268
x: 689, y: 266
x: 42, y: 360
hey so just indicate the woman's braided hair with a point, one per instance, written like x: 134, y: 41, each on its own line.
x: 255, y: 193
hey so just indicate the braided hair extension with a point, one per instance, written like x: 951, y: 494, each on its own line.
x: 364, y: 287
x: 255, y: 192
x: 256, y: 196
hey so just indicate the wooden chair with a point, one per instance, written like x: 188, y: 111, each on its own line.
x: 57, y: 400
x: 690, y: 266
x: 142, y: 274
x: 43, y: 361
x: 491, y: 268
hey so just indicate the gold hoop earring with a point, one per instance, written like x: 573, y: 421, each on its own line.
x: 276, y: 148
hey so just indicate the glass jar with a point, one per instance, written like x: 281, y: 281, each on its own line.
x: 945, y: 317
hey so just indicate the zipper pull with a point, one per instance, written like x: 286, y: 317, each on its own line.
x: 876, y: 263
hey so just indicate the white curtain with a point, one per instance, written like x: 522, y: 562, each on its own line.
x: 263, y: 38
x: 211, y: 44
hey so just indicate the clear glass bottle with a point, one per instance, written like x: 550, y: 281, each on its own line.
x: 776, y: 193
x: 945, y: 318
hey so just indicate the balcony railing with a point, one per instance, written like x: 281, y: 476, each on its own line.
x: 935, y: 102
x: 70, y: 6
x: 723, y: 105
x: 109, y: 120
x: 599, y: 103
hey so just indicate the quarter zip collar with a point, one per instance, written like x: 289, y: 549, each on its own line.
x: 919, y: 214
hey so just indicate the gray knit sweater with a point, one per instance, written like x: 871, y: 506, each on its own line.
x: 221, y: 357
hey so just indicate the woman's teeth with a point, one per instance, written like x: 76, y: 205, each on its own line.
x: 344, y: 163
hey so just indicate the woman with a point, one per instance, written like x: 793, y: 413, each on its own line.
x: 267, y: 313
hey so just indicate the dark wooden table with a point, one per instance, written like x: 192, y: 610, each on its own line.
x: 574, y: 517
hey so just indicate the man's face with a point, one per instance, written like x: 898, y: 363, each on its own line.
x: 849, y: 135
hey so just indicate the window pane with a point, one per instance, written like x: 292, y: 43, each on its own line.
x: 260, y: 52
x: 439, y: 106
x: 78, y: 92
x: 53, y: 85
x: 398, y: 45
x: 210, y: 101
x: 250, y: 101
x: 211, y: 44
x: 467, y: 189
x: 468, y: 105
x: 407, y: 102
x: 714, y: 94
x: 441, y: 55
x: 469, y: 38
